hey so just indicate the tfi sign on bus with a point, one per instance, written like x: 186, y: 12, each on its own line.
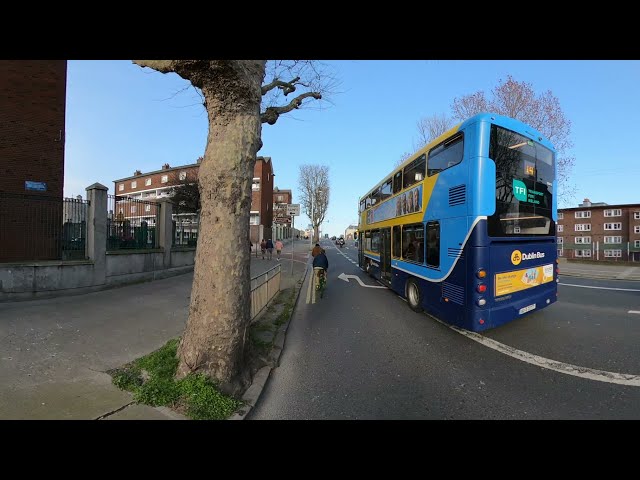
x: 293, y: 209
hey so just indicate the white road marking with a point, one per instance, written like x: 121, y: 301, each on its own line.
x: 346, y: 278
x: 560, y: 367
x: 634, y: 311
x: 601, y: 288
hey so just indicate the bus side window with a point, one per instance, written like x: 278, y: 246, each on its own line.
x: 397, y: 242
x: 446, y: 155
x: 397, y: 182
x: 433, y: 244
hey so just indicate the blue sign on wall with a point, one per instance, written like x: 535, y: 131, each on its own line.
x: 37, y: 186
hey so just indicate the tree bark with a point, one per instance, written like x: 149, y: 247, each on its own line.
x: 219, y: 312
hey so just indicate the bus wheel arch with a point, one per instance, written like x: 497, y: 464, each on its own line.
x: 414, y: 295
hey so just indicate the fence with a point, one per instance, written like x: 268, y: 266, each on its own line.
x: 38, y: 227
x: 132, y: 223
x: 185, y: 229
x: 263, y: 288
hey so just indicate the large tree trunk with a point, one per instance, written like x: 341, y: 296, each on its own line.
x: 219, y: 313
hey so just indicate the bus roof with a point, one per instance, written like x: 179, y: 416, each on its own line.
x: 501, y: 120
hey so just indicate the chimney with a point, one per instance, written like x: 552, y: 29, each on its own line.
x: 199, y: 160
x: 166, y: 166
x: 137, y: 172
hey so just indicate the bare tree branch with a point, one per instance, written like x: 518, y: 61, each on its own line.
x: 287, y: 87
x: 517, y: 100
x: 432, y: 127
x: 271, y: 115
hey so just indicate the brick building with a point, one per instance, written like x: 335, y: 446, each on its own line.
x: 32, y: 132
x: 157, y: 184
x: 598, y: 231
x: 281, y: 221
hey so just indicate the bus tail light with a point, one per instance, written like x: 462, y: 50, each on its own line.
x: 481, y: 302
x: 481, y: 321
x: 481, y: 273
x: 481, y: 288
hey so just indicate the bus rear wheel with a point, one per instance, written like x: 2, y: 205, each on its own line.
x: 414, y: 295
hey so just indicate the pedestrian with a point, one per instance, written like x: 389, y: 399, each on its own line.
x: 278, y: 247
x: 250, y: 245
x: 263, y: 247
x: 269, y: 249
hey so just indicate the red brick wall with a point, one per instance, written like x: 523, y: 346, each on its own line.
x: 32, y: 133
x: 32, y: 120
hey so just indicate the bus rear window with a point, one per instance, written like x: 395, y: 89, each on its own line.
x: 524, y: 185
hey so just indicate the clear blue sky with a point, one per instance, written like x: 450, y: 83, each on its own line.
x: 119, y: 120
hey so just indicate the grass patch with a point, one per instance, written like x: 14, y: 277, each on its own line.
x: 285, y: 315
x: 151, y: 380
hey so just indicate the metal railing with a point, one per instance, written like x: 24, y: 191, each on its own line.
x: 132, y: 223
x: 185, y: 229
x: 37, y: 227
x: 263, y: 288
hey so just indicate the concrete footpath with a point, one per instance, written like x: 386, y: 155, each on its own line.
x: 54, y: 352
x: 603, y: 271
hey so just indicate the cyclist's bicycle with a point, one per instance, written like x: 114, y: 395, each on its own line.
x: 321, y: 280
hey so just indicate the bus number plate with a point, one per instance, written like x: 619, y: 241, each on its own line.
x: 526, y: 309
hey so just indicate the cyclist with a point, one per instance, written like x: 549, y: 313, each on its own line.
x: 316, y: 250
x: 320, y: 264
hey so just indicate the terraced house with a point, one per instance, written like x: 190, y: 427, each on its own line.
x: 598, y: 231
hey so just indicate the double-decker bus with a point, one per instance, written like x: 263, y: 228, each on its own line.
x: 465, y: 228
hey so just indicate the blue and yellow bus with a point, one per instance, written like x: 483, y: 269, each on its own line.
x: 465, y: 229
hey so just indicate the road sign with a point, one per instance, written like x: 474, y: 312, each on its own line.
x: 282, y: 220
x: 293, y: 209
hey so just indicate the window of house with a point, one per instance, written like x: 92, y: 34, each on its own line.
x: 446, y: 155
x: 164, y: 178
x: 582, y: 214
x: 133, y: 209
x: 636, y: 229
x: 560, y: 240
x: 617, y: 239
x: 636, y: 243
x: 415, y: 171
x: 560, y: 228
x: 134, y: 184
x: 255, y: 185
x: 636, y: 215
x: 147, y: 208
x: 583, y: 227
x: 583, y: 253
x: 279, y: 198
x: 583, y: 239
x: 254, y: 218
x: 182, y: 175
x: 609, y: 253
x: 121, y: 187
x: 615, y: 212
x: 613, y: 226
x: 147, y: 182
x: 560, y: 215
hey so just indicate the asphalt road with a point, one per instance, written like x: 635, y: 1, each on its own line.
x: 361, y: 353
